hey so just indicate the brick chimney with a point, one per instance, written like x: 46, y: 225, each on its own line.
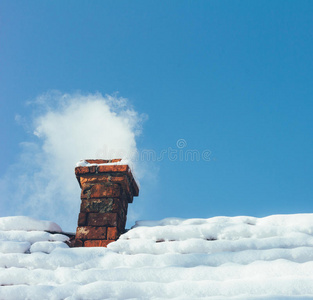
x: 107, y: 188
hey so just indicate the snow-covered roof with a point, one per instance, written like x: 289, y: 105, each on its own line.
x: 215, y: 258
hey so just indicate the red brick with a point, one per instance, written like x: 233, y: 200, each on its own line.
x: 129, y: 182
x: 97, y: 243
x: 102, y: 161
x: 103, y: 205
x: 87, y: 180
x: 94, y: 178
x: 92, y: 169
x: 129, y: 188
x: 81, y: 170
x: 135, y: 187
x: 129, y: 185
x: 118, y: 178
x: 121, y: 222
x: 102, y: 219
x: 123, y: 202
x: 100, y: 190
x: 85, y: 170
x: 112, y: 233
x: 77, y: 243
x: 106, y: 192
x: 91, y: 233
x: 112, y: 168
x: 126, y: 186
x: 82, y: 218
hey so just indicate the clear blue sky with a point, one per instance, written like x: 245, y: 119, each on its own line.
x: 233, y: 77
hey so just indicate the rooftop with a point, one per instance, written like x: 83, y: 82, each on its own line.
x: 216, y: 258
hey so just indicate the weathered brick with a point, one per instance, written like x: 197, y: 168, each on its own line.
x: 94, y: 178
x: 128, y: 182
x: 85, y: 170
x: 81, y: 170
x: 112, y: 168
x: 98, y: 243
x: 126, y: 187
x: 77, y: 243
x: 92, y: 169
x: 122, y: 213
x: 112, y: 233
x: 135, y: 187
x: 82, y: 218
x: 121, y: 223
x: 87, y: 180
x: 125, y: 181
x: 97, y: 205
x: 100, y: 190
x: 102, y: 161
x: 106, y: 192
x: 103, y: 205
x: 119, y: 179
x: 124, y: 203
x: 91, y: 233
x: 102, y: 219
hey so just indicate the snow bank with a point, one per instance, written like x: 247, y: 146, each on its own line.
x: 27, y: 224
x: 216, y: 258
x: 25, y: 235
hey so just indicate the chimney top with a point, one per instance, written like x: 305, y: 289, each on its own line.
x: 102, y: 161
x: 107, y: 166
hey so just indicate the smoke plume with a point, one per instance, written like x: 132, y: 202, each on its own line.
x: 66, y: 129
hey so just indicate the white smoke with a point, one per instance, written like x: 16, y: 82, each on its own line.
x: 68, y: 128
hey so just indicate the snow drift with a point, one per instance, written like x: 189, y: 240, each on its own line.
x: 216, y: 258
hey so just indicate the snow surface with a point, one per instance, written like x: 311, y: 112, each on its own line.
x: 27, y: 223
x: 84, y: 163
x: 216, y: 258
